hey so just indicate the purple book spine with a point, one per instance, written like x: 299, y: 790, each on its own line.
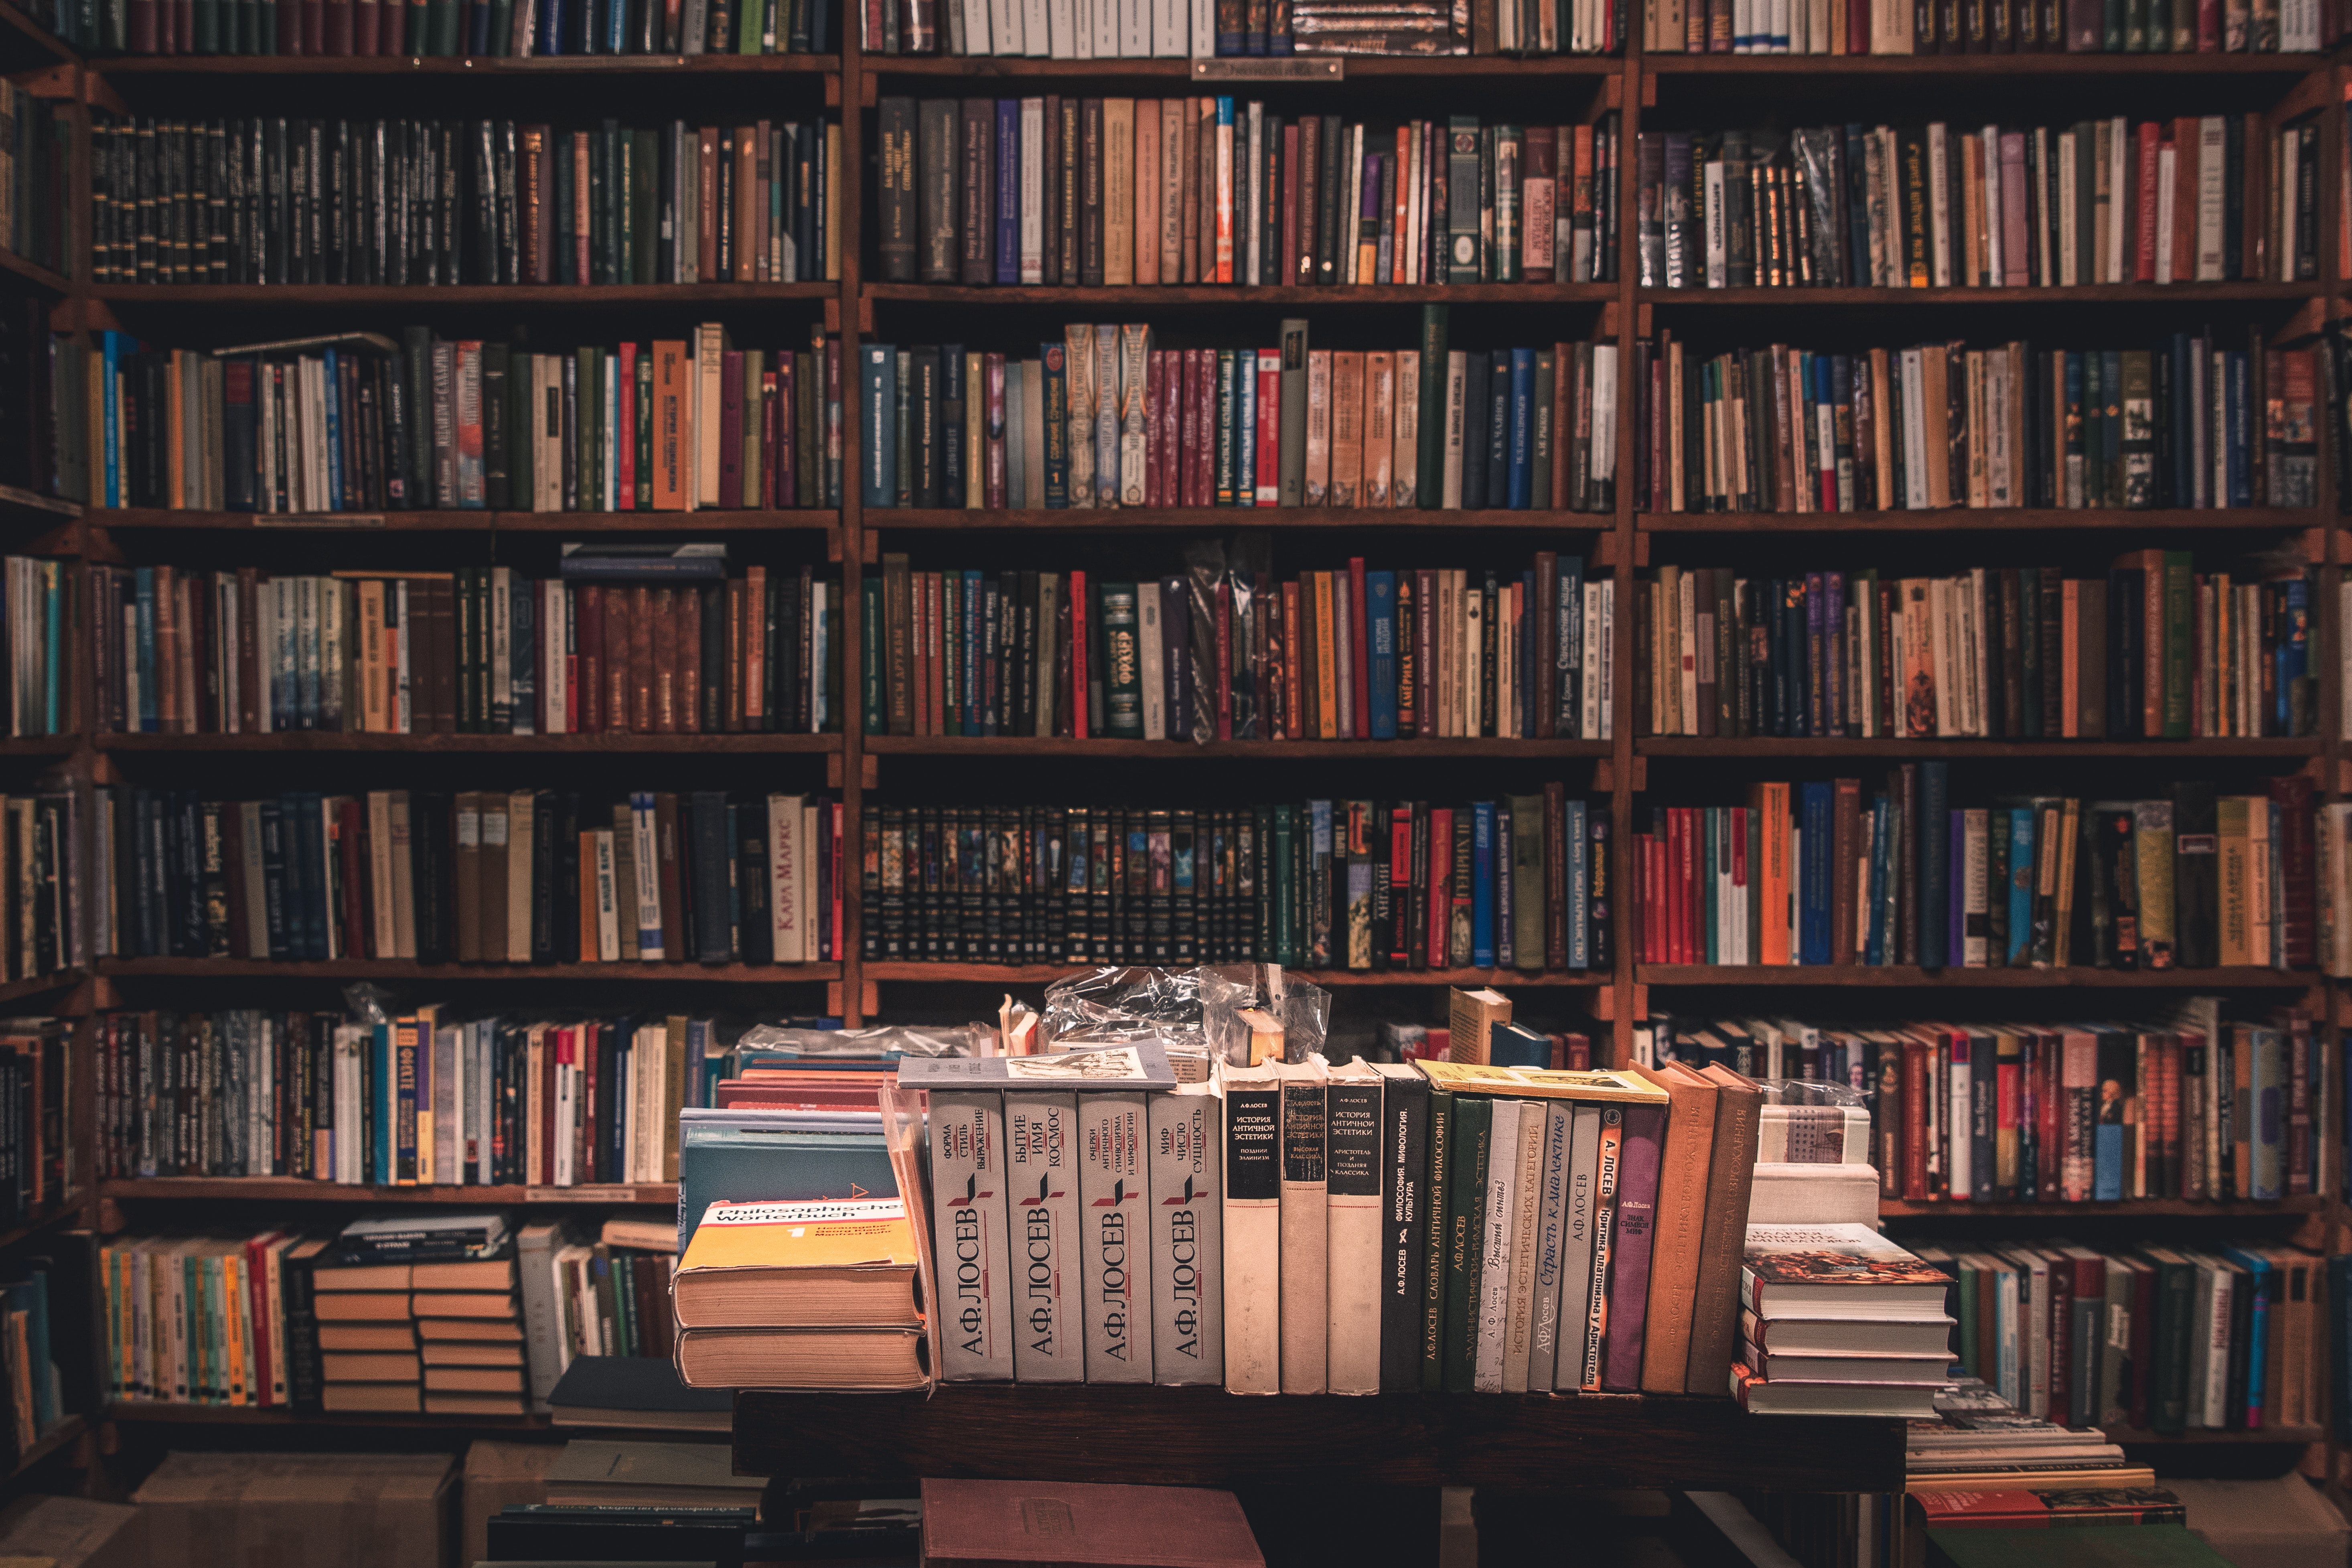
x: 1008, y: 190
x: 1840, y: 642
x: 1176, y: 656
x: 1629, y: 1248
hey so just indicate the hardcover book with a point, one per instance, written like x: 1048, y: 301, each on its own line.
x: 1042, y: 1183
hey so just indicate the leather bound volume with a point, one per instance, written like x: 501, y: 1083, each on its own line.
x: 673, y: 890
x: 2196, y: 874
x: 640, y: 665
x: 662, y: 665
x: 618, y: 713
x: 1683, y: 1171
x: 1730, y: 1174
x: 977, y: 168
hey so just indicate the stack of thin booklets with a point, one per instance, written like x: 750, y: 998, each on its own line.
x: 1976, y: 1440
x: 1838, y: 1321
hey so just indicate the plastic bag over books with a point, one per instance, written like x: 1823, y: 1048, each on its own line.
x: 875, y: 1044
x: 1220, y: 590
x: 1194, y: 1013
x: 903, y: 1111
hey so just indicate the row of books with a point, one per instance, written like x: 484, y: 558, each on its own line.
x: 36, y: 179
x: 2211, y: 199
x: 1218, y: 190
x: 36, y: 601
x: 477, y: 877
x: 1106, y: 418
x: 1811, y: 874
x: 2185, y: 422
x: 429, y: 1098
x: 37, y: 1172
x: 1100, y: 29
x: 31, y: 1383
x: 2161, y: 1339
x: 1521, y: 882
x: 2183, y: 1105
x: 1984, y: 27
x: 1349, y: 1229
x: 357, y: 421
x: 449, y: 28
x: 1349, y: 654
x: 2156, y: 650
x: 42, y: 895
x: 275, y: 200
x: 476, y: 650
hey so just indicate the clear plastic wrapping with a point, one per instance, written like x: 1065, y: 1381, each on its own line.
x: 1228, y: 990
x: 905, y: 1039
x: 1810, y: 1091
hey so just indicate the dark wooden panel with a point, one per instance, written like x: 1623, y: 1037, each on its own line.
x: 1205, y: 1436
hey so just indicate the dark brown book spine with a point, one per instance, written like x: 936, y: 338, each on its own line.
x: 1068, y: 137
x: 1555, y: 853
x: 978, y: 146
x: 899, y: 208
x: 666, y: 847
x: 1845, y: 831
x: 1090, y: 194
x: 1730, y: 1176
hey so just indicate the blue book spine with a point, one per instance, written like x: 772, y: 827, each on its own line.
x: 380, y: 1044
x: 1245, y: 427
x: 112, y: 345
x: 1523, y: 428
x: 335, y: 497
x: 2294, y: 648
x: 1498, y: 428
x: 1956, y: 906
x: 1008, y: 190
x: 2259, y: 1284
x: 1482, y: 884
x: 1572, y: 842
x: 1567, y: 650
x: 968, y: 654
x: 1227, y: 44
x: 1379, y: 596
x: 149, y: 720
x: 1934, y: 864
x: 1506, y: 927
x: 878, y: 393
x: 1813, y: 922
x: 1176, y: 658
x: 2020, y: 884
x: 316, y: 890
x: 2075, y: 492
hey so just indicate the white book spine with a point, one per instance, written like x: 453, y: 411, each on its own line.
x: 1154, y: 681
x: 968, y: 1191
x: 1187, y: 1187
x: 1114, y: 1263
x: 1041, y: 1148
x: 1494, y: 1273
x: 1253, y: 1231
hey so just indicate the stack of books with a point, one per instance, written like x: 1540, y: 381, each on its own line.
x: 817, y: 1294
x: 1977, y: 1438
x: 453, y: 1279
x: 367, y: 1353
x: 1838, y: 1321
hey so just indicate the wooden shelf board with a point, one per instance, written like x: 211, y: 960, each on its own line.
x: 39, y: 745
x: 139, y: 1412
x: 1229, y: 294
x: 815, y: 519
x: 1127, y: 520
x: 294, y: 1190
x: 421, y: 296
x: 62, y: 1432
x: 2128, y: 1209
x: 15, y: 498
x: 1896, y: 976
x: 70, y: 1209
x: 2079, y: 294
x: 1046, y: 973
x: 1983, y: 65
x: 1975, y: 519
x: 340, y: 741
x: 2201, y: 1434
x: 1175, y: 751
x: 408, y: 969
x: 1205, y: 1436
x: 41, y: 39
x: 33, y: 272
x: 40, y: 984
x: 1435, y: 68
x: 414, y: 64
x: 1841, y: 746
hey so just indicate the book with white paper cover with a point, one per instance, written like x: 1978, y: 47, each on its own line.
x: 1143, y: 1064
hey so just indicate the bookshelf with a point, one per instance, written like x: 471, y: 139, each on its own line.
x: 1496, y: 1441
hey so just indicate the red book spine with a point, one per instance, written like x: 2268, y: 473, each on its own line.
x: 354, y: 865
x: 1915, y: 1121
x: 367, y: 27
x: 1358, y: 652
x: 1224, y: 659
x: 1269, y: 430
x: 340, y: 28
x: 1154, y: 449
x: 771, y: 438
x: 1424, y: 651
x: 314, y: 24
x: 1205, y: 402
x: 2185, y: 134
x: 2209, y: 27
x: 1079, y: 623
x: 2050, y: 1108
x: 785, y: 481
x: 2148, y: 148
x: 1400, y: 885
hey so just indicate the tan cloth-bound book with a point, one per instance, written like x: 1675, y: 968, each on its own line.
x: 1731, y: 1169
x: 1681, y: 1217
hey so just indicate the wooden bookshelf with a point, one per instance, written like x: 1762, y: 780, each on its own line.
x: 1046, y: 973
x: 1978, y: 519
x: 1988, y: 750
x: 396, y: 969
x: 284, y: 741
x: 139, y: 1412
x: 2189, y: 294
x: 2135, y: 1436
x: 445, y: 296
x: 1970, y: 66
x: 2127, y: 1208
x: 1900, y: 976
x: 1207, y: 1437
x: 1175, y: 751
x: 63, y: 1433
x: 825, y: 520
x: 292, y: 1190
x: 1158, y: 296
x: 167, y: 67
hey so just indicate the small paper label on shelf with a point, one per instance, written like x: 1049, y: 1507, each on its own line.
x: 1254, y: 69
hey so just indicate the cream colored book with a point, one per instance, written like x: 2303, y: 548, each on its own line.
x: 1253, y: 1226
x: 1306, y: 1225
x: 1353, y: 1157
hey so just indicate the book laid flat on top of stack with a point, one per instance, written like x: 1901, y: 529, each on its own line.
x: 801, y: 1295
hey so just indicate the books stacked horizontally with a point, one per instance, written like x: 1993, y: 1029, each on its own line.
x: 679, y: 1475
x: 1976, y: 1439
x: 817, y: 1294
x: 1839, y: 1320
x: 456, y: 1276
x: 367, y: 1350
x: 1303, y: 1229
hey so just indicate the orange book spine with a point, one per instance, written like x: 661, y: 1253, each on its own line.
x: 591, y: 897
x: 1772, y: 818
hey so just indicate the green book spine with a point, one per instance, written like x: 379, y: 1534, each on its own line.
x: 1292, y: 468
x: 1430, y: 466
x: 442, y: 18
x: 1465, y: 1214
x: 586, y: 473
x: 646, y: 427
x: 748, y: 19
x: 877, y: 719
x: 501, y: 26
x: 1435, y: 1272
x: 645, y: 225
x: 1123, y: 675
x: 2179, y: 650
x: 1528, y: 895
x: 1286, y: 893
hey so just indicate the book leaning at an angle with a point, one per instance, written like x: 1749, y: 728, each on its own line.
x: 1835, y: 1271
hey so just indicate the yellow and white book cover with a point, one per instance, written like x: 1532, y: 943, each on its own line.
x: 1546, y: 1083
x: 823, y: 1233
